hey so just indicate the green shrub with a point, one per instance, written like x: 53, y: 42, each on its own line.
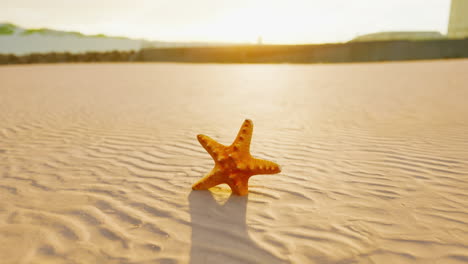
x: 7, y: 29
x: 34, y: 31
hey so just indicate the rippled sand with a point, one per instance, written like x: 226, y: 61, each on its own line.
x: 97, y: 163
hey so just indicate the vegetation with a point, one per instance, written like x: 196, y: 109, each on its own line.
x: 7, y: 29
x: 323, y: 53
x: 35, y: 31
x: 98, y: 36
x: 75, y: 33
x: 46, y: 31
x: 62, y: 57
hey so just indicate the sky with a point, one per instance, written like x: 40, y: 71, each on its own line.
x: 275, y: 21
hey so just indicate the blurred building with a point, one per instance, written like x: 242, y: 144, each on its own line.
x: 400, y: 35
x: 458, y: 25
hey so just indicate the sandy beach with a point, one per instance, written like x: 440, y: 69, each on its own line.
x: 97, y: 163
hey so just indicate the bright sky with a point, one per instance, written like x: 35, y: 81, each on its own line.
x: 277, y: 21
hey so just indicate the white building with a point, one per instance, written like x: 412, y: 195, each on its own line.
x: 458, y: 25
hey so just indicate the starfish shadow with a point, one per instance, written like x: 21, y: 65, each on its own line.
x: 219, y: 230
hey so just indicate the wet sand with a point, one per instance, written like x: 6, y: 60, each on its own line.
x: 97, y: 163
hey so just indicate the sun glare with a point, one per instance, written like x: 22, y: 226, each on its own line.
x: 241, y: 21
x: 274, y: 24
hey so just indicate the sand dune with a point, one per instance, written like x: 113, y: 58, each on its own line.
x: 97, y: 162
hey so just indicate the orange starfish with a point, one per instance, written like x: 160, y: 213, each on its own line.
x: 233, y: 164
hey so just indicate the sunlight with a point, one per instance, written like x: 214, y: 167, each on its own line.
x: 241, y: 21
x: 272, y: 21
x: 250, y: 23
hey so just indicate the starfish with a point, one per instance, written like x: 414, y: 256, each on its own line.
x: 233, y: 164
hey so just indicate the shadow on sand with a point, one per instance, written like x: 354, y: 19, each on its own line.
x: 219, y: 230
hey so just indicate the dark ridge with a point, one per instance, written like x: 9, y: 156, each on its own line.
x: 66, y: 57
x: 324, y: 53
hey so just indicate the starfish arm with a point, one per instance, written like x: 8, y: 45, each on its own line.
x: 244, y: 137
x: 239, y: 185
x: 210, y: 180
x: 259, y: 166
x: 211, y: 146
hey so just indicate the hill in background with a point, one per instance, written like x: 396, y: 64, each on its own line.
x: 17, y: 40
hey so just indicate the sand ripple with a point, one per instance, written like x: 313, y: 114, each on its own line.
x: 96, y: 163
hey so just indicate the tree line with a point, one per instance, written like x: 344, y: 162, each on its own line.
x: 397, y: 50
x: 64, y: 57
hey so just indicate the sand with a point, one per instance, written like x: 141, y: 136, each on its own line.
x: 97, y: 163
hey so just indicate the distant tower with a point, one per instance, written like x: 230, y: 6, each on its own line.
x: 458, y: 25
x: 259, y: 40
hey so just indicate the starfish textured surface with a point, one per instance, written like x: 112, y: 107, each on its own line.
x: 233, y: 164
